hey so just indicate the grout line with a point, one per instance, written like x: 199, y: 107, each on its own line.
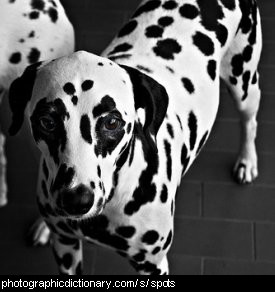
x: 202, y: 266
x: 254, y: 241
x: 201, y: 209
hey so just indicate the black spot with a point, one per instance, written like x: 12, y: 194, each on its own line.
x: 253, y: 34
x: 210, y: 12
x: 170, y: 5
x: 165, y: 21
x: 128, y: 28
x: 100, y: 64
x: 255, y: 78
x: 34, y: 15
x: 229, y: 4
x: 92, y: 184
x: 237, y: 64
x: 167, y: 48
x: 133, y: 144
x: 193, y: 126
x: 106, y: 142
x: 120, y: 57
x: 168, y: 240
x: 74, y: 100
x: 100, y: 186
x: 154, y: 31
x: 170, y: 130
x: 121, y: 48
x: 87, y: 85
x: 170, y: 69
x: 100, y: 201
x: 21, y: 41
x: 31, y: 34
x: 180, y: 123
x: 107, y: 104
x: 150, y: 237
x: 53, y: 14
x: 126, y: 231
x: 99, y: 171
x: 222, y: 34
x: 202, y: 142
x: 211, y: 69
x: 38, y: 4
x: 167, y: 146
x: 129, y: 127
x: 233, y: 80
x: 56, y: 141
x: 145, y: 69
x: 164, y: 194
x: 63, y: 178
x: 188, y: 85
x: 184, y: 158
x: 139, y: 257
x: 245, y: 23
x: 247, y: 53
x: 45, y: 170
x: 246, y: 81
x: 156, y: 250
x: 15, y: 58
x: 146, y: 189
x: 34, y: 56
x: 147, y: 7
x: 69, y: 88
x: 85, y: 129
x: 189, y: 11
x: 204, y: 43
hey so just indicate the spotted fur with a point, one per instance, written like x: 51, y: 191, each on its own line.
x: 31, y: 31
x: 119, y: 152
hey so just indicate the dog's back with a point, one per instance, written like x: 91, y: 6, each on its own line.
x: 186, y: 45
x: 31, y: 31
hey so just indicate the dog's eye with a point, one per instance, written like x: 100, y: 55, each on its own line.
x: 112, y: 124
x: 47, y: 123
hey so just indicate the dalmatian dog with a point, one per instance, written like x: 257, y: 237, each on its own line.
x: 30, y: 31
x: 118, y: 132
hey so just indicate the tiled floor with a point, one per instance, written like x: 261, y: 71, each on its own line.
x: 221, y: 228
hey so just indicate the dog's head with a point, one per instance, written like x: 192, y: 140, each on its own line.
x: 84, y: 111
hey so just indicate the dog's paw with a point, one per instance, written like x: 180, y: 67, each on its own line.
x: 246, y: 170
x: 3, y: 193
x: 39, y: 234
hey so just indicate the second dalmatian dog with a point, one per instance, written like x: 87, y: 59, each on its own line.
x: 30, y: 31
x: 117, y: 132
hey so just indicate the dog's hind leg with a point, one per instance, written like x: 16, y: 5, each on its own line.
x: 68, y: 254
x: 240, y: 72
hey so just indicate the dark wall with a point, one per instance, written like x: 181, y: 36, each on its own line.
x: 221, y: 228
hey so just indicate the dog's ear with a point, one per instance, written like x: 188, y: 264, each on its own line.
x: 20, y: 94
x: 153, y: 98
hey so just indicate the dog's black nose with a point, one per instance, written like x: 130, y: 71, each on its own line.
x: 77, y: 201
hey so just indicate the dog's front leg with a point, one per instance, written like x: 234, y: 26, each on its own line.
x: 3, y: 184
x: 68, y: 254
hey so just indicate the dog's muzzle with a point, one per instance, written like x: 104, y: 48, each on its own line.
x: 77, y: 201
